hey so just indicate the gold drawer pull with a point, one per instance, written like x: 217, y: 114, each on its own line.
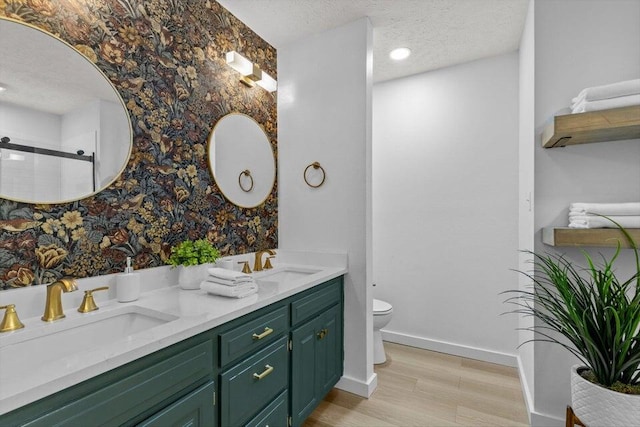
x: 267, y: 331
x: 267, y: 370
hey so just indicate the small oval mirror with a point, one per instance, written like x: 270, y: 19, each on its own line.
x: 241, y: 160
x: 65, y: 132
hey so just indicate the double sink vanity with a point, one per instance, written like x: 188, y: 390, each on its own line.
x: 180, y: 357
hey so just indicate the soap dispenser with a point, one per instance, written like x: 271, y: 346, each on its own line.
x: 128, y: 284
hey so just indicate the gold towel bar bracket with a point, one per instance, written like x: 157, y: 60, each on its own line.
x: 316, y: 166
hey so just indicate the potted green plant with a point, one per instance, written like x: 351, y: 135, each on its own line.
x: 596, y: 317
x: 192, y: 258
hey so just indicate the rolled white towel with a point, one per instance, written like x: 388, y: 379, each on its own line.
x: 605, y: 104
x: 591, y: 221
x: 613, y: 90
x: 222, y: 273
x: 239, y: 291
x: 227, y: 282
x: 631, y: 208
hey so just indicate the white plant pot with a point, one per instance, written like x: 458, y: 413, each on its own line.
x: 599, y: 406
x: 191, y: 276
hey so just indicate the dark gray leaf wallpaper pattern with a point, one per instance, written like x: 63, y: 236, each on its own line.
x: 166, y: 58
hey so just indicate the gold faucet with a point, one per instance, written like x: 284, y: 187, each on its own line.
x: 10, y: 321
x: 257, y: 265
x: 53, y: 305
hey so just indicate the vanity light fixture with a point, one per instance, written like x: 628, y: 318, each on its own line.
x: 400, y: 53
x: 251, y: 73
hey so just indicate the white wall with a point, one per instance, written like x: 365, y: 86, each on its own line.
x: 579, y: 44
x: 35, y: 177
x: 526, y: 147
x: 324, y: 114
x: 445, y: 206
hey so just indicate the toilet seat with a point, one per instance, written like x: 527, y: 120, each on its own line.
x: 381, y: 307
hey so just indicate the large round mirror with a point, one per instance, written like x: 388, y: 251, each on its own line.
x: 241, y: 160
x: 64, y: 130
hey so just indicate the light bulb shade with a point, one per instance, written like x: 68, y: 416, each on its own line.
x: 267, y: 82
x: 251, y: 73
x: 239, y: 63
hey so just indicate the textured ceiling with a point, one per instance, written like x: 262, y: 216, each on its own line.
x: 45, y: 74
x: 439, y: 33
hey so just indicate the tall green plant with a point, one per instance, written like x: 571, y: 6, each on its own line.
x: 594, y: 310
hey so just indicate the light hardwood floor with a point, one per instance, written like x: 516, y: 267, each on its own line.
x: 423, y: 388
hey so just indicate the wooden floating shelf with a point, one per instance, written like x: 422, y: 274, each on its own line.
x: 578, y: 237
x: 594, y: 126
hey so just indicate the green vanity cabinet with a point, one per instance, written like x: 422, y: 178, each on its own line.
x: 254, y: 383
x: 280, y: 361
x: 194, y: 410
x: 272, y: 366
x: 316, y: 360
x: 131, y: 393
x: 275, y: 414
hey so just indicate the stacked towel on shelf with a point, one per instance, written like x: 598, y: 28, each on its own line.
x: 621, y: 94
x: 229, y: 283
x: 631, y: 208
x: 588, y: 215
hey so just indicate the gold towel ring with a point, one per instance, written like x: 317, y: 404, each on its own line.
x: 315, y: 165
x: 245, y: 172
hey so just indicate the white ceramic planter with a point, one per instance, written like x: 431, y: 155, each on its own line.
x: 599, y: 406
x: 191, y: 276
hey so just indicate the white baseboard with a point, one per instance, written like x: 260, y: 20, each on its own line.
x: 451, y: 348
x: 536, y: 419
x: 528, y: 399
x: 544, y: 420
x: 364, y: 389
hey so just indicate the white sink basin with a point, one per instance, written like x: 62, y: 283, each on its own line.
x: 284, y: 274
x: 70, y: 336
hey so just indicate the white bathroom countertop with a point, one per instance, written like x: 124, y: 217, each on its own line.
x: 195, y: 312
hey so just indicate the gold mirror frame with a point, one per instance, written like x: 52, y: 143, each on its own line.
x: 110, y: 176
x: 243, y: 158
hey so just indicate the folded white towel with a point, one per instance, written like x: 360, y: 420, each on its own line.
x: 223, y: 273
x: 227, y: 282
x: 632, y: 208
x: 590, y: 221
x: 239, y: 291
x: 613, y: 90
x: 606, y: 104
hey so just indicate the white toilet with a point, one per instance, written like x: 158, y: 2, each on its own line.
x: 382, y: 312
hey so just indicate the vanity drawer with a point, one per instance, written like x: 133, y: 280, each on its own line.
x: 253, y: 383
x: 318, y: 301
x: 273, y: 415
x: 253, y: 334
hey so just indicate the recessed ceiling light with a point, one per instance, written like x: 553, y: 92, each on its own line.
x: 400, y: 53
x: 2, y: 88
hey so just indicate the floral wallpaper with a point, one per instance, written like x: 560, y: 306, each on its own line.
x: 167, y: 60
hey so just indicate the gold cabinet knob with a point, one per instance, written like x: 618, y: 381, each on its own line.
x: 323, y: 333
x: 10, y: 321
x: 88, y: 303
